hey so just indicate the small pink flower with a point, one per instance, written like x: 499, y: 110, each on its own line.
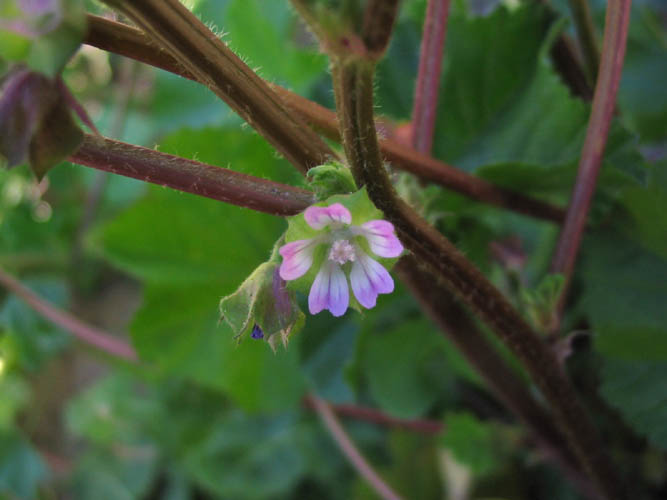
x: 344, y: 255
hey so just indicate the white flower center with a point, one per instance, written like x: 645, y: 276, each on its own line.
x: 342, y: 251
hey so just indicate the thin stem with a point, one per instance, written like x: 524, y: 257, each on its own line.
x: 206, y: 57
x: 583, y: 23
x: 377, y: 417
x: 613, y: 53
x: 353, y: 83
x: 191, y: 176
x: 427, y: 87
x: 350, y: 450
x: 130, y: 42
x: 86, y: 333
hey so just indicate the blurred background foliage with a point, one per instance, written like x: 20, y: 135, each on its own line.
x: 203, y: 417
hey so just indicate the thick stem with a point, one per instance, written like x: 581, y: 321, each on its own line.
x: 130, y: 42
x: 613, y: 52
x: 583, y: 23
x: 349, y: 449
x: 191, y: 176
x: 86, y: 333
x: 206, y: 57
x: 379, y: 19
x: 427, y: 86
x: 438, y: 303
x: 353, y: 82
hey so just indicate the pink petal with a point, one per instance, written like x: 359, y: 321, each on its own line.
x: 320, y: 217
x: 368, y: 279
x: 297, y: 258
x: 329, y: 291
x: 381, y: 238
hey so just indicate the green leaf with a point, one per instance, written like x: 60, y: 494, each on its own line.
x: 21, y: 468
x: 646, y: 206
x: 268, y: 37
x: 641, y: 97
x: 177, y: 330
x: 170, y: 237
x: 15, y: 394
x: 512, y: 116
x: 489, y: 62
x: 404, y: 366
x: 230, y: 462
x: 471, y: 441
x: 108, y: 475
x: 637, y: 389
x: 112, y: 411
x: 31, y: 341
x: 625, y: 288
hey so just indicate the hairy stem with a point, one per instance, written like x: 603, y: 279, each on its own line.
x: 90, y: 335
x: 427, y: 86
x: 353, y: 83
x: 438, y: 303
x: 583, y: 23
x: 191, y: 176
x: 130, y: 42
x: 206, y: 57
x: 350, y: 450
x: 604, y: 101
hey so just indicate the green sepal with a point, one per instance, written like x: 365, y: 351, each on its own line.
x: 540, y: 304
x: 330, y: 179
x: 263, y: 300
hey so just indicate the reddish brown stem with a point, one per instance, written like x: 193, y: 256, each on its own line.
x: 196, y: 48
x: 438, y: 303
x: 192, y: 176
x: 379, y: 19
x: 377, y: 417
x: 427, y: 87
x: 350, y: 450
x: 86, y: 333
x: 353, y: 83
x: 130, y: 42
x: 428, y: 168
x: 604, y: 100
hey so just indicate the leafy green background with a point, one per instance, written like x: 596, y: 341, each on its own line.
x: 206, y: 417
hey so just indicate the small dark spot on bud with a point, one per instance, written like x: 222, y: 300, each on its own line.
x: 257, y: 332
x: 345, y: 42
